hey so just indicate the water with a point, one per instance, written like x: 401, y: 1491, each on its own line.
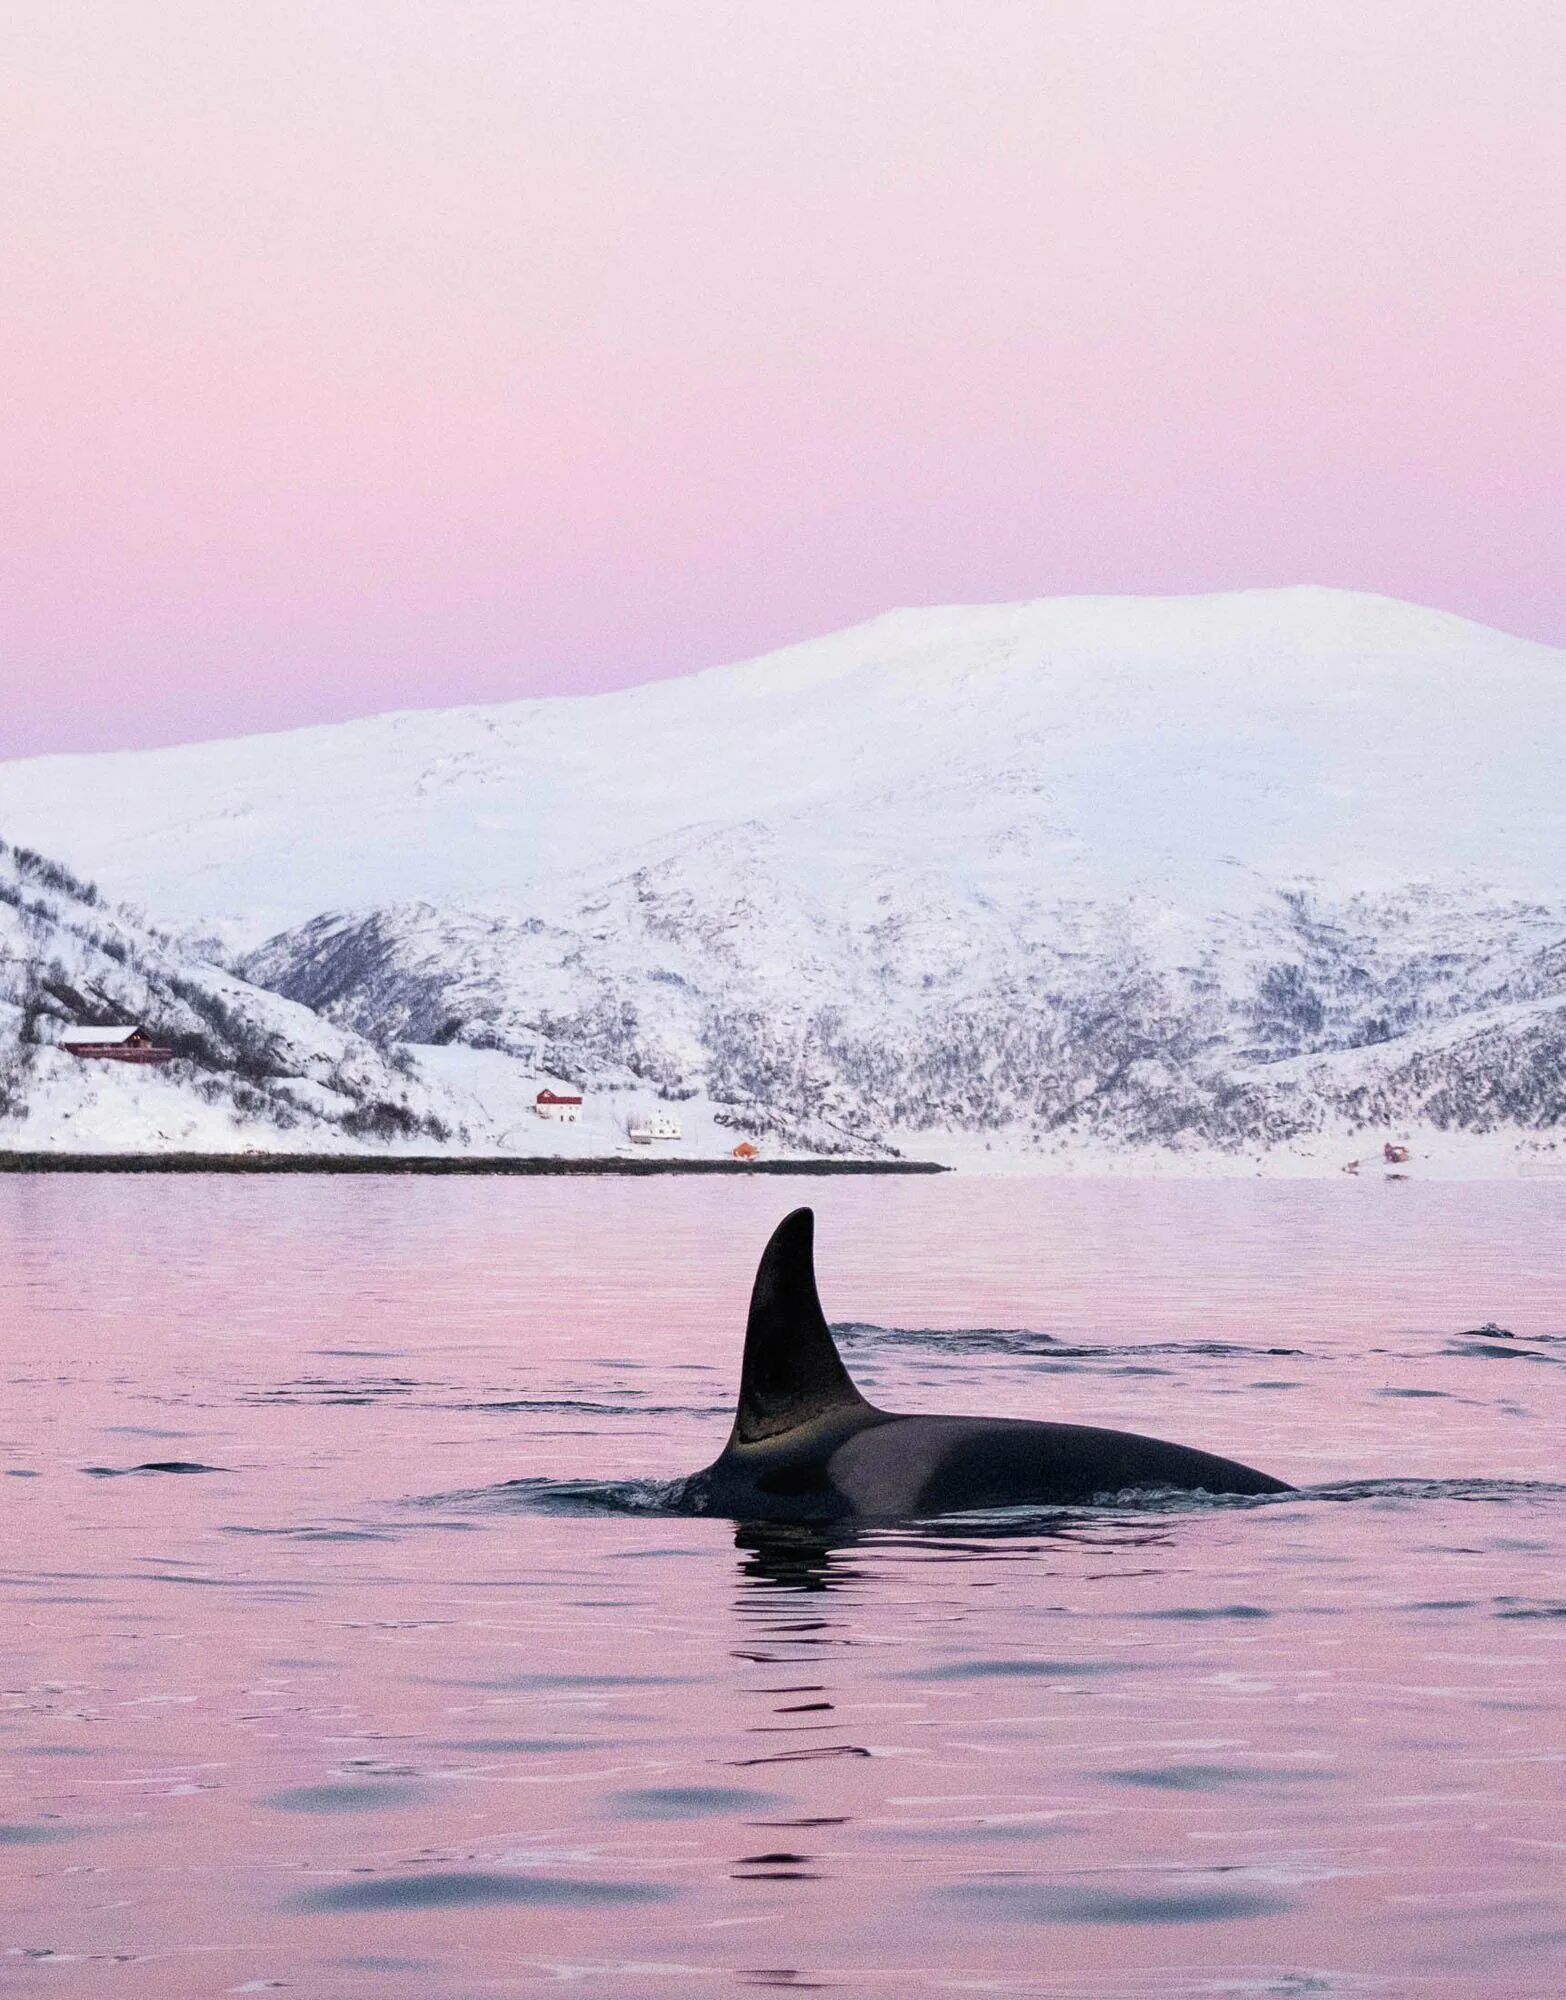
x: 395, y: 1682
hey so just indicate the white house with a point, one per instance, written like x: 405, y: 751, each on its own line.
x: 661, y: 1125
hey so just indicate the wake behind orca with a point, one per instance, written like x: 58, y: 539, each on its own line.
x: 806, y: 1446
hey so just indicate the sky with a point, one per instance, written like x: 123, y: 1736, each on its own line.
x: 440, y: 351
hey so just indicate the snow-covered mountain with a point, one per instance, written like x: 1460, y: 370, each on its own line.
x: 254, y: 1070
x: 1199, y: 875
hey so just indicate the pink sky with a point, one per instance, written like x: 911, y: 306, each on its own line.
x: 356, y: 357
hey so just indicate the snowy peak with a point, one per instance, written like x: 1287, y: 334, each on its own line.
x: 1124, y: 741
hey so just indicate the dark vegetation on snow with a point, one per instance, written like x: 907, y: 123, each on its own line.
x: 74, y: 959
x: 1367, y: 1012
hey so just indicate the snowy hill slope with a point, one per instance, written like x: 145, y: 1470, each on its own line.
x: 1196, y: 874
x: 1105, y: 1029
x: 1093, y: 745
x: 257, y: 1072
x: 253, y: 1070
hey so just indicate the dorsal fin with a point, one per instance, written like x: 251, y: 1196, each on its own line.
x: 792, y: 1370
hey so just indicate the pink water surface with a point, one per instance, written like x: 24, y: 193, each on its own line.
x: 415, y: 1694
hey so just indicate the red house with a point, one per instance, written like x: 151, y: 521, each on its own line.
x: 132, y: 1044
x: 563, y: 1108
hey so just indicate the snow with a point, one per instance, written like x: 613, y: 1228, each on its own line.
x: 494, y: 1095
x: 1435, y: 1155
x: 79, y: 1107
x: 1194, y: 884
x: 254, y: 1070
x: 1116, y: 743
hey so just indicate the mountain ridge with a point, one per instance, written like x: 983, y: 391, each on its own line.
x: 492, y: 800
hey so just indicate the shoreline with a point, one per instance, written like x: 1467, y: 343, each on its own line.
x: 430, y: 1163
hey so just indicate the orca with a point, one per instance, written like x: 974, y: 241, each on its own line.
x: 806, y: 1446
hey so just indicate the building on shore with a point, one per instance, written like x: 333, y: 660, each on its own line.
x: 560, y: 1107
x: 661, y: 1125
x: 128, y: 1043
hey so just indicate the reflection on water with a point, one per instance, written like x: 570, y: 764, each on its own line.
x: 795, y: 1558
x: 350, y: 1647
